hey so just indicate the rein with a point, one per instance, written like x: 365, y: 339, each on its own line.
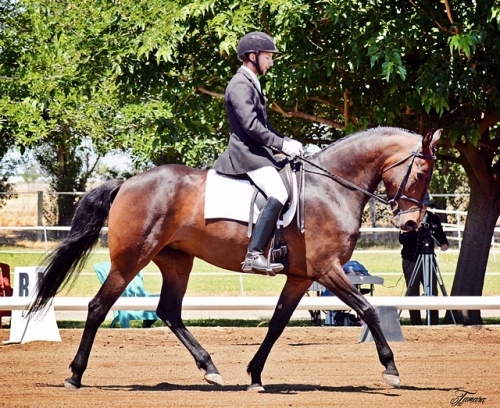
x: 342, y: 180
x: 392, y: 202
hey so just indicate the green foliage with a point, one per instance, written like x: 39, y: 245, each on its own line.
x: 132, y: 74
x: 7, y: 169
x: 148, y: 76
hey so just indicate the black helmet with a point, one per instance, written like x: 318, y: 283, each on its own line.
x: 255, y: 42
x: 428, y: 202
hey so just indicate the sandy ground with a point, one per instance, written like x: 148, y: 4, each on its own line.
x: 309, y: 367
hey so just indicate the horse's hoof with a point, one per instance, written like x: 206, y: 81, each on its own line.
x: 70, y: 384
x: 392, y: 380
x: 215, y: 379
x: 255, y: 388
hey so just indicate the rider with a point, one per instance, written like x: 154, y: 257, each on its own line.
x: 252, y: 142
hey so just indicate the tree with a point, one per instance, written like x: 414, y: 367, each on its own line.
x: 7, y: 169
x: 7, y: 140
x: 149, y: 76
x: 349, y: 65
x: 49, y: 104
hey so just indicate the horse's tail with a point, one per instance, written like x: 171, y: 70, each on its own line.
x: 66, y: 262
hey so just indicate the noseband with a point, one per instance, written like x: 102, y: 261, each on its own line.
x: 393, y: 201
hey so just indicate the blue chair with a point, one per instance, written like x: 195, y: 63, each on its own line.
x: 134, y: 289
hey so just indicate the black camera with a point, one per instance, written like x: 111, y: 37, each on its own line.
x: 425, y: 238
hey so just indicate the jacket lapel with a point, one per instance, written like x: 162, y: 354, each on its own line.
x: 247, y: 76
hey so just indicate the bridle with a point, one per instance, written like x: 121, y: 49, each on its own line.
x: 400, y: 195
x: 393, y: 202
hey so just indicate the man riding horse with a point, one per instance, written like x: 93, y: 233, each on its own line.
x: 252, y: 142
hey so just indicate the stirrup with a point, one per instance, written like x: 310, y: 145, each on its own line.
x: 270, y: 268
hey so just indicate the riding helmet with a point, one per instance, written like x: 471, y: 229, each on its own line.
x: 428, y: 202
x: 255, y: 42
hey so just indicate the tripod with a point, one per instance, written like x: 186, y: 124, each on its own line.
x: 426, y: 261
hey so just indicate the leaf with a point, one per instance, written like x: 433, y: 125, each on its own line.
x: 474, y: 136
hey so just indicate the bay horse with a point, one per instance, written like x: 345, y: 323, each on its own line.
x: 158, y: 216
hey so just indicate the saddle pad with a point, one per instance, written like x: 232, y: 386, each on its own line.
x: 230, y: 198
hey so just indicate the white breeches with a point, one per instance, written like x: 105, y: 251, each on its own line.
x: 269, y: 181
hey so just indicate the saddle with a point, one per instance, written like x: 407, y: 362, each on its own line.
x: 278, y: 247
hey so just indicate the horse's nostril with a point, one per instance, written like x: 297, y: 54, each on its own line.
x: 411, y: 225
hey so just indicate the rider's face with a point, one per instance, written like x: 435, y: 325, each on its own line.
x: 265, y: 61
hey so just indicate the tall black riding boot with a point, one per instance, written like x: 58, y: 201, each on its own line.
x: 255, y: 261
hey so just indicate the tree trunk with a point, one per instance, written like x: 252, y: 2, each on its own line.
x: 473, y: 258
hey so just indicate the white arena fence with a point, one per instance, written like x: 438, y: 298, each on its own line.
x: 242, y: 303
x: 235, y: 303
x: 30, y: 203
x: 456, y: 229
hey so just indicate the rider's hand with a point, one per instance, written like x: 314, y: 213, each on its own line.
x: 292, y: 148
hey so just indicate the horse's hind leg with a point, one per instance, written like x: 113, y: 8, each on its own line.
x: 99, y: 307
x: 345, y: 291
x: 175, y: 267
x: 290, y: 296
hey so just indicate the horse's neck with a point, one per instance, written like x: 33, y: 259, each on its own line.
x: 358, y: 162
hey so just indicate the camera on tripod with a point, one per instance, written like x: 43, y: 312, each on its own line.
x: 426, y: 264
x: 425, y: 237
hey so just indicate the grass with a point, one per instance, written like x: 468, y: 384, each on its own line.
x: 74, y: 324
x: 207, y: 280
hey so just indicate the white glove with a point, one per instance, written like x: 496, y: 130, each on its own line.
x: 292, y: 148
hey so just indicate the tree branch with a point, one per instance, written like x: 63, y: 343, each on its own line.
x: 496, y: 169
x: 450, y: 17
x: 448, y: 12
x: 492, y: 149
x: 297, y: 114
x: 289, y: 114
x: 211, y: 93
x: 449, y: 158
x: 323, y: 101
x: 346, y: 107
x: 352, y: 118
x: 489, y: 119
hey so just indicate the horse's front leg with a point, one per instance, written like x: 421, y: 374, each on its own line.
x: 339, y: 284
x: 290, y: 297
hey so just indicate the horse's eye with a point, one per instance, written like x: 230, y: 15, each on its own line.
x: 420, y: 176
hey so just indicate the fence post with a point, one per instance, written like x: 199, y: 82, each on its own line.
x: 373, y: 215
x: 40, y: 214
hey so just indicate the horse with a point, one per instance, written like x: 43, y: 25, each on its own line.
x: 158, y: 216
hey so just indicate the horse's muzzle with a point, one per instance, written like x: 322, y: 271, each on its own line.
x: 410, y: 225
x: 402, y: 225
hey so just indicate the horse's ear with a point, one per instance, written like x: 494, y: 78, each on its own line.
x: 431, y: 138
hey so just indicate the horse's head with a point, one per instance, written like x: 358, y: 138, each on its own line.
x: 406, y: 181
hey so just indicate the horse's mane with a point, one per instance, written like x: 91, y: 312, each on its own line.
x: 378, y: 131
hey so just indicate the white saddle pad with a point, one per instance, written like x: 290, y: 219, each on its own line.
x: 230, y: 198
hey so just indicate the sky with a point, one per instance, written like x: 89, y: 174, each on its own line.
x: 119, y: 161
